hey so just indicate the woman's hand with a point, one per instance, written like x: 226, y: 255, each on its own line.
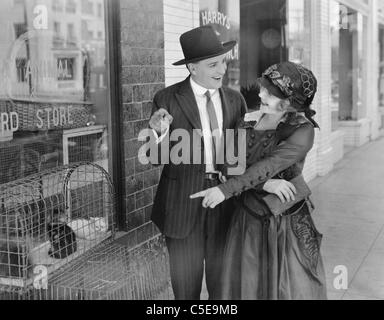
x: 285, y: 190
x: 212, y: 197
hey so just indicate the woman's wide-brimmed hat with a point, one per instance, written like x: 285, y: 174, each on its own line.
x: 202, y: 43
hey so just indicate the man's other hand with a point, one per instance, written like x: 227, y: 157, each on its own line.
x: 160, y: 121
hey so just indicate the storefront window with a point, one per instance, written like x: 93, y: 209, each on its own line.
x: 271, y: 31
x: 298, y: 31
x: 348, y: 29
x: 53, y: 89
x: 224, y: 16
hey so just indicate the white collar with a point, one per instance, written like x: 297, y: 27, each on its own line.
x: 256, y: 116
x: 253, y: 116
x: 199, y: 90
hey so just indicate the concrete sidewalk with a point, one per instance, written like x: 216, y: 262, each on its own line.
x: 349, y: 213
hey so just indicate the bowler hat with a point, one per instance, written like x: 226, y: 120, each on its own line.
x: 202, y: 43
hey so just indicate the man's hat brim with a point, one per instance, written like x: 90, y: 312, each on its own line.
x: 227, y: 46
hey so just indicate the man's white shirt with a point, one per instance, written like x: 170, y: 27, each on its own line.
x: 201, y: 100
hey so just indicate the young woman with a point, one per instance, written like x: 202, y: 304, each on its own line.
x: 271, y: 256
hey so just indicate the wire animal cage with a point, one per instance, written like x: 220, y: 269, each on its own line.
x: 50, y: 218
x: 109, y: 271
x: 63, y: 219
x: 115, y: 272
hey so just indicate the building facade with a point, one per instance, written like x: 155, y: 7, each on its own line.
x: 79, y: 77
x: 341, y: 41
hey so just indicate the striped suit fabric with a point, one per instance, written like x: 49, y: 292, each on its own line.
x: 194, y: 235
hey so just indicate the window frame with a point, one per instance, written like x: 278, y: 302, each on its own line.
x: 115, y: 136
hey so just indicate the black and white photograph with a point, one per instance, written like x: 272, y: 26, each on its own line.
x: 191, y: 151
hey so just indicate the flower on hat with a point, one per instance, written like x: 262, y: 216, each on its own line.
x: 283, y: 82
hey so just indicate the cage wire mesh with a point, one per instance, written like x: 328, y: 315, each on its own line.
x: 32, y: 152
x: 85, y: 148
x: 52, y: 217
x: 115, y: 272
x: 110, y: 271
x: 29, y: 155
x: 63, y: 219
x: 10, y: 157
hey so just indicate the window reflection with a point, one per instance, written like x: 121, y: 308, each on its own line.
x: 299, y: 32
x: 53, y: 89
x: 381, y: 66
x: 223, y: 15
x: 271, y: 31
x: 348, y: 28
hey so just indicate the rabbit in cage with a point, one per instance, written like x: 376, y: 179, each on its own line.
x: 61, y: 236
x: 62, y: 239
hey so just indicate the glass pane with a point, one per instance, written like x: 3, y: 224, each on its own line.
x: 381, y: 66
x: 337, y: 21
x: 348, y: 36
x: 224, y: 15
x: 299, y: 32
x: 272, y: 31
x: 54, y: 91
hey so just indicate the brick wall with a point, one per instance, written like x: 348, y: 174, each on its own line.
x: 150, y: 33
x: 142, y: 74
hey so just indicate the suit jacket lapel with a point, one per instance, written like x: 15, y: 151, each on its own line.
x: 188, y: 105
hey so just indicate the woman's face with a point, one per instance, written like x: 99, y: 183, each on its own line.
x: 270, y: 103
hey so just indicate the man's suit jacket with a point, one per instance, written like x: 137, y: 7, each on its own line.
x: 173, y: 211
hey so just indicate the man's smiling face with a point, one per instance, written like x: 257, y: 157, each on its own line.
x: 209, y: 73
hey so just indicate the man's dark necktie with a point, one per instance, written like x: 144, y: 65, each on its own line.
x: 214, y: 127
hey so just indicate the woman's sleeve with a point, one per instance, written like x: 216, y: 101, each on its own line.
x: 286, y: 153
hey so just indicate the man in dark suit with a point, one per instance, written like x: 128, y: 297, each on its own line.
x: 195, y: 235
